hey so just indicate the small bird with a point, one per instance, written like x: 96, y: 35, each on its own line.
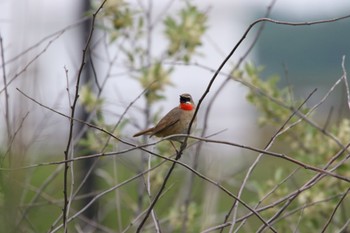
x: 176, y: 121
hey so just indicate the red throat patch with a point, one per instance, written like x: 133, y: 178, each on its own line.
x: 186, y: 106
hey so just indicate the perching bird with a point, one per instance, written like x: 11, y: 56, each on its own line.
x: 174, y: 122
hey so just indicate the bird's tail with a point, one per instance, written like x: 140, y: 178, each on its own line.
x: 144, y: 132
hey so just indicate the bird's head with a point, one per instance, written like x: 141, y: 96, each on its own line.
x: 186, y: 102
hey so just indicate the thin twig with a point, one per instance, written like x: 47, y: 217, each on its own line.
x: 345, y: 81
x: 307, y: 205
x: 54, y: 35
x: 299, y: 219
x: 24, y: 69
x: 141, y: 214
x: 67, y: 86
x: 39, y: 191
x: 7, y: 112
x: 344, y: 228
x: 269, y: 144
x: 102, y: 194
x: 162, y: 187
x: 328, y: 119
x: 93, y: 69
x: 124, y: 113
x: 289, y: 85
x: 268, y: 194
x: 10, y: 143
x: 335, y: 210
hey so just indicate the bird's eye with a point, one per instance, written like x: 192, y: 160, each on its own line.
x: 184, y: 99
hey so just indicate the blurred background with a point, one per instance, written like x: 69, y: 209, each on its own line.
x: 37, y: 57
x: 42, y: 48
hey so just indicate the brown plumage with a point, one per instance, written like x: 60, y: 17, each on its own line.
x: 174, y: 122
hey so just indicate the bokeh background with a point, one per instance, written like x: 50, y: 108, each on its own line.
x: 39, y: 58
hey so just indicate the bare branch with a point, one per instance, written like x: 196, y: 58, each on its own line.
x: 73, y: 108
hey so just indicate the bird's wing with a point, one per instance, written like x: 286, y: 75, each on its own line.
x: 168, y: 120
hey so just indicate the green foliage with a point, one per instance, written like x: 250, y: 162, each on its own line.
x: 119, y: 18
x: 95, y: 140
x: 155, y: 79
x: 270, y: 111
x: 176, y: 217
x: 185, y: 34
x: 305, y: 143
x: 89, y: 100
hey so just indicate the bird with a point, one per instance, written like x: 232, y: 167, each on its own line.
x: 176, y: 121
